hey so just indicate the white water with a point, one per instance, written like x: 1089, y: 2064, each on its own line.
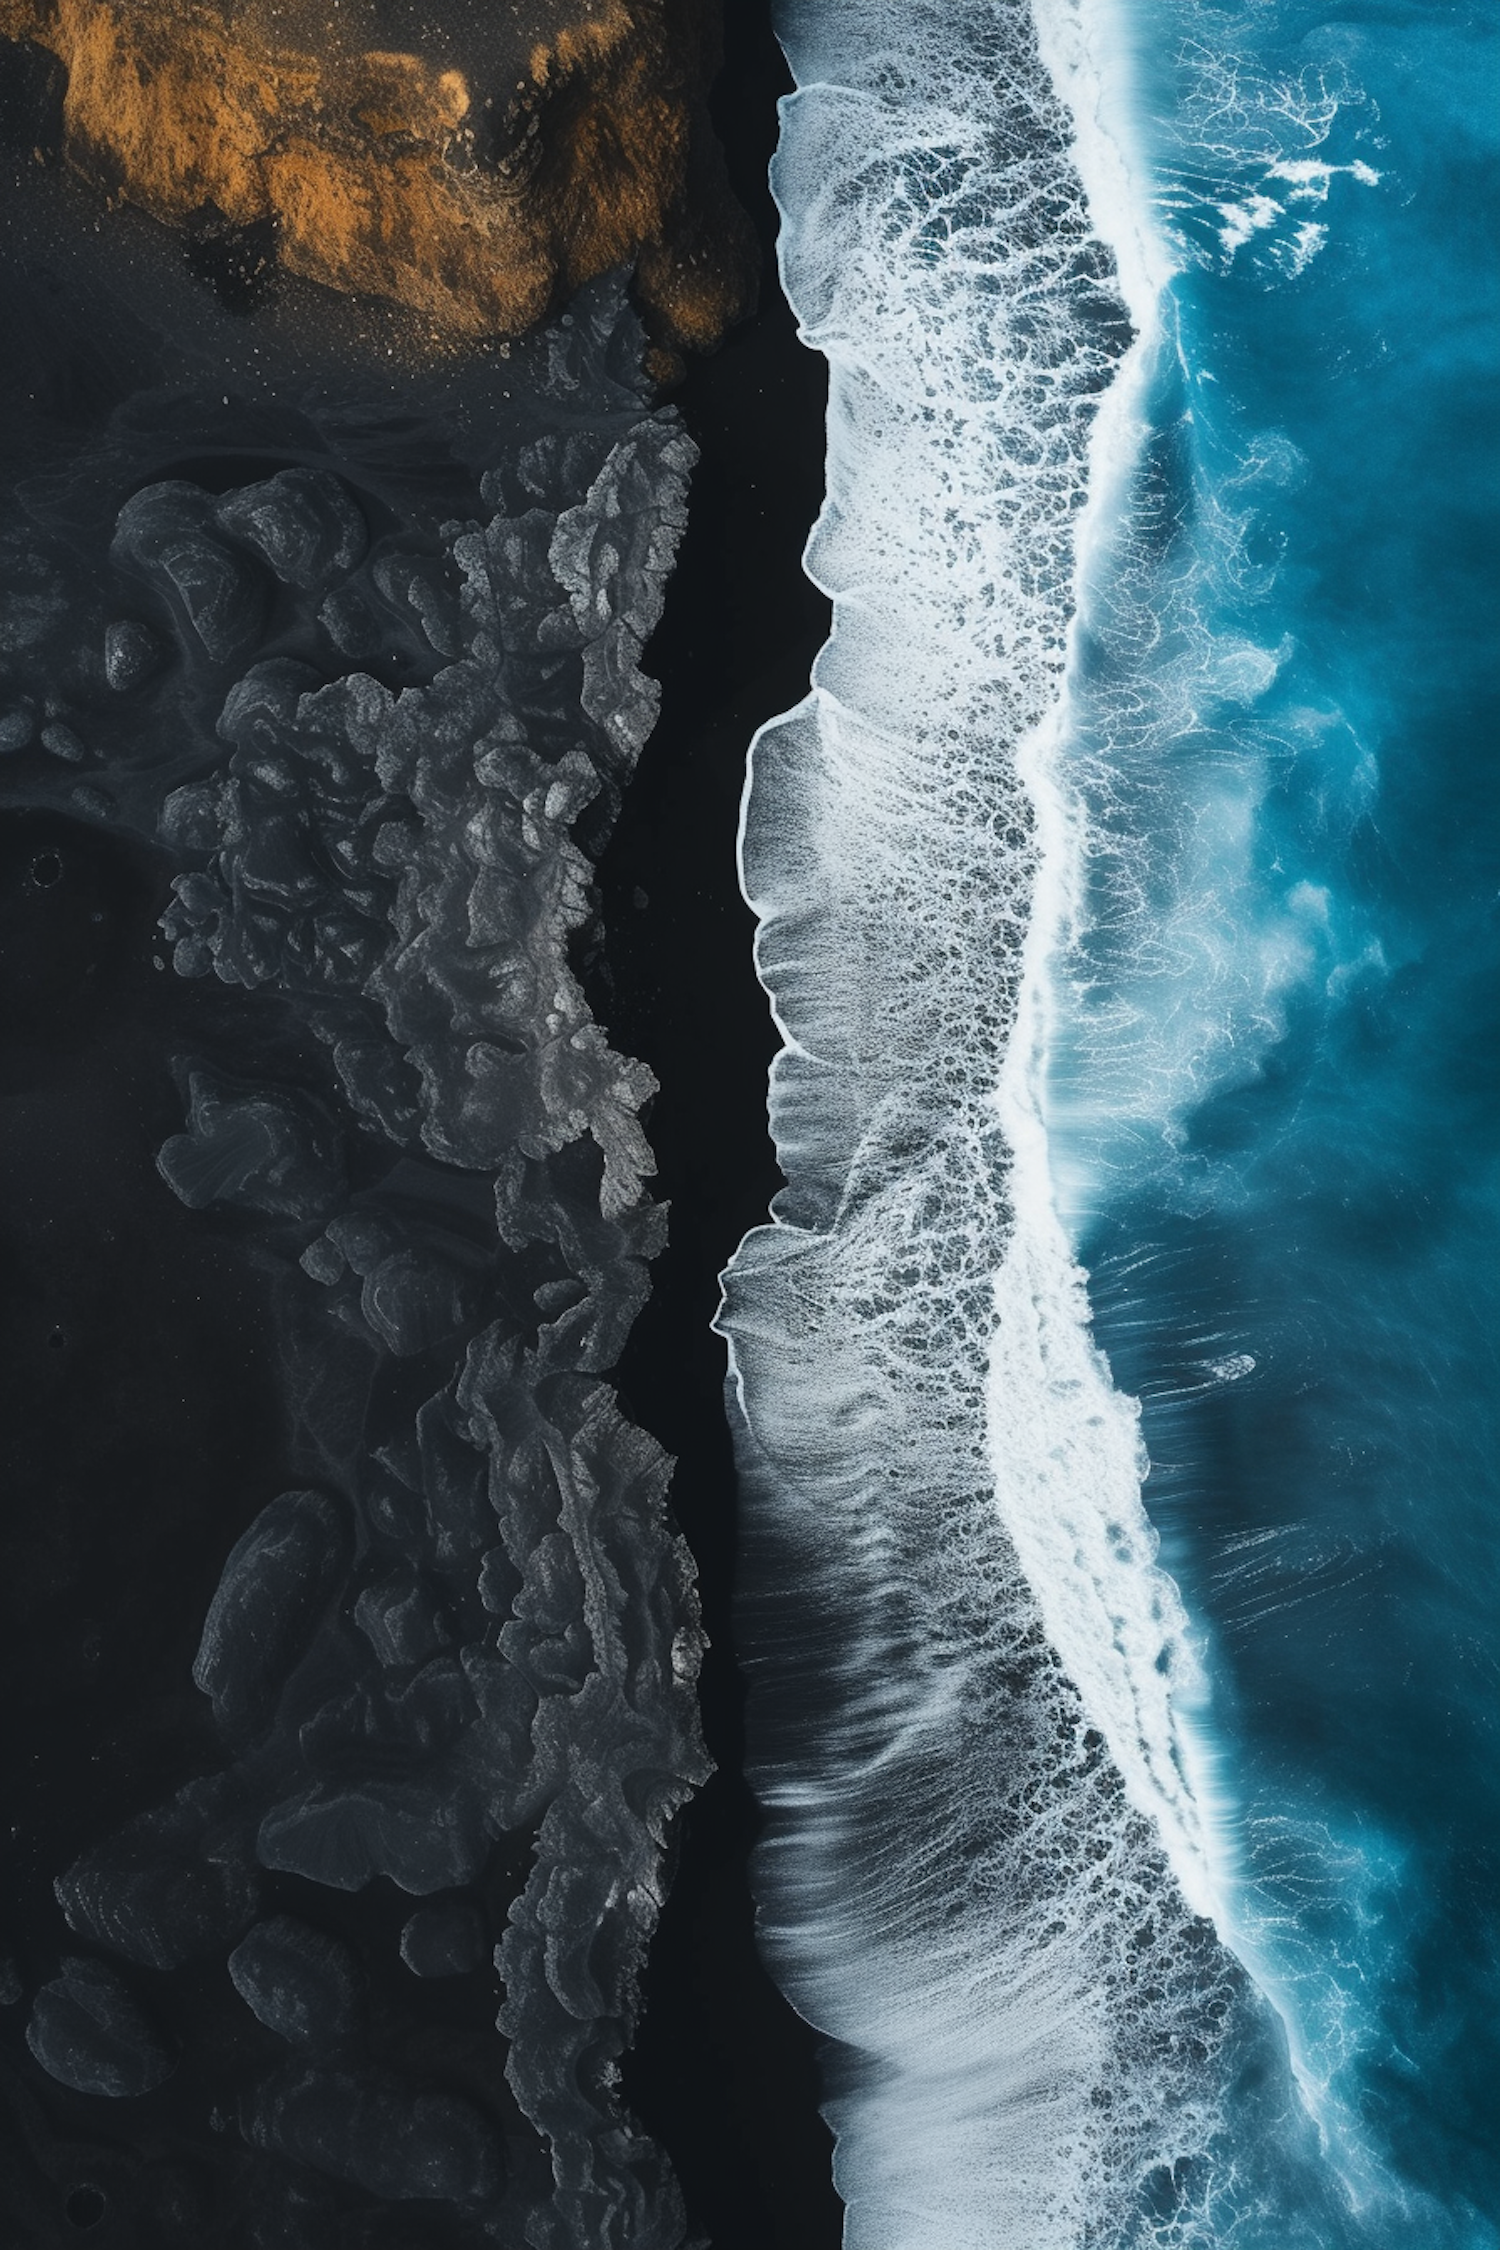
x: 1068, y: 1457
x: 987, y: 1859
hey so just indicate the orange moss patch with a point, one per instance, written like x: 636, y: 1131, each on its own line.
x: 383, y: 172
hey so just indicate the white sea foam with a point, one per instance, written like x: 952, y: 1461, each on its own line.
x: 987, y: 1857
x: 1068, y: 1457
x: 1245, y: 142
x: 999, y: 1869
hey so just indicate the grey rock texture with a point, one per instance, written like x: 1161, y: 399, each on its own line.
x: 278, y: 1577
x: 89, y: 2032
x: 152, y: 1894
x: 371, y: 2131
x: 381, y: 753
x: 302, y: 1985
x: 264, y: 1152
x: 445, y: 1939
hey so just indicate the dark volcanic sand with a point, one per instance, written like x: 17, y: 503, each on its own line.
x: 724, y: 2072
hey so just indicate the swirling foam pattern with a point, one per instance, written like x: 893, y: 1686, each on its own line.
x: 986, y: 1874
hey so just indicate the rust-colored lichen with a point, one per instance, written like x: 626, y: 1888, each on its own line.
x: 400, y: 175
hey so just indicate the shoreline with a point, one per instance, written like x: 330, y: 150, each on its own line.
x: 724, y: 2072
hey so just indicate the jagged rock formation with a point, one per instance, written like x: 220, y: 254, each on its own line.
x: 457, y: 1656
x: 474, y: 165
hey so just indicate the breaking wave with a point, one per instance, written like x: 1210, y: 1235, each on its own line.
x: 1030, y: 894
x: 988, y: 1874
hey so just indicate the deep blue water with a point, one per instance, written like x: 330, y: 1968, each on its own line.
x: 1275, y: 1108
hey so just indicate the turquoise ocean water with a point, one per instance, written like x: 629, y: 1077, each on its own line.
x: 1273, y: 1096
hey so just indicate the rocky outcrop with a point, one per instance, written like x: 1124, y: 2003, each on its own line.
x: 453, y: 1656
x: 475, y: 166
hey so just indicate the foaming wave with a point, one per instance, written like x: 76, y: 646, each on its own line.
x: 1168, y: 951
x: 1069, y: 1461
x: 986, y: 1863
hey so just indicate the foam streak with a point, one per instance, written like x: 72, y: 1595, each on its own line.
x: 984, y: 1871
